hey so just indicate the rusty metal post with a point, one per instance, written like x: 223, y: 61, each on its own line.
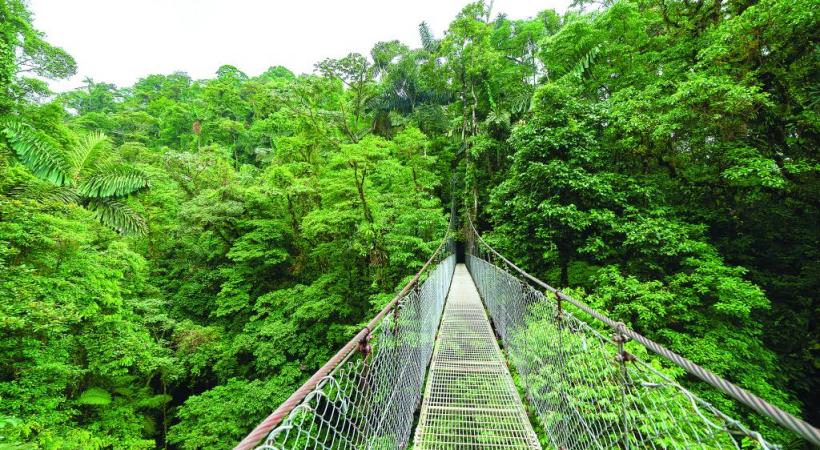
x: 620, y: 338
x: 365, y: 349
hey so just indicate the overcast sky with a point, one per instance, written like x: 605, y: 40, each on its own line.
x: 120, y: 41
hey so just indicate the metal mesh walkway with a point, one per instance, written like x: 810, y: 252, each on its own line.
x: 470, y: 400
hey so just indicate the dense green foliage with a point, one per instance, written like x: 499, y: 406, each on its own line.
x: 177, y: 256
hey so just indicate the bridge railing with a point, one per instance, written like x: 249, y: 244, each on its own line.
x: 588, y: 387
x: 367, y: 394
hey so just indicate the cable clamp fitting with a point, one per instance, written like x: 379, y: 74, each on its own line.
x: 364, y: 344
x: 560, y: 306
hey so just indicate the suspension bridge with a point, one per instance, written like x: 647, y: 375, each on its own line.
x: 428, y: 372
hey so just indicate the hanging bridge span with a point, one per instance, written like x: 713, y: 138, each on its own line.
x: 427, y: 372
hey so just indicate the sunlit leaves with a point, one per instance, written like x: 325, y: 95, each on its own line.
x: 749, y: 168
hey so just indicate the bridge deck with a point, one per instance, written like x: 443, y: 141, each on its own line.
x: 470, y: 401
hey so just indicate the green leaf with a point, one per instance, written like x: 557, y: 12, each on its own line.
x: 114, y: 181
x: 44, y: 192
x: 88, y: 151
x: 94, y: 397
x: 154, y: 402
x: 118, y: 216
x: 39, y: 155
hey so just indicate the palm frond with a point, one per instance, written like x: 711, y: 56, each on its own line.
x: 113, y: 181
x: 43, y: 191
x: 89, y: 150
x: 498, y: 117
x: 118, y: 216
x: 584, y: 62
x: 435, y: 97
x: 520, y: 101
x: 428, y: 41
x: 41, y: 157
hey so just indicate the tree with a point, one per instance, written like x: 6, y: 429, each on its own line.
x: 86, y: 174
x: 357, y: 75
x: 657, y: 157
x: 24, y: 51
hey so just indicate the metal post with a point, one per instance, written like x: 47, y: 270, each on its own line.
x: 396, y: 321
x: 365, y: 348
x: 619, y: 337
x: 559, y: 324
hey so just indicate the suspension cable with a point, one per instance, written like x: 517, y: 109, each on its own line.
x: 789, y: 421
x: 269, y: 423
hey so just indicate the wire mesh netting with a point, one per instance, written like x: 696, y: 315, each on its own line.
x: 587, y: 387
x: 470, y: 401
x: 586, y: 391
x: 369, y: 400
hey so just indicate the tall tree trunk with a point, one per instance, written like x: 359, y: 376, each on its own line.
x: 563, y: 263
x: 368, y: 215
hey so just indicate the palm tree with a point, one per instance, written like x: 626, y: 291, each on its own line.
x: 86, y: 174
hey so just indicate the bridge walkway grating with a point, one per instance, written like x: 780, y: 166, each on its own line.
x: 470, y: 401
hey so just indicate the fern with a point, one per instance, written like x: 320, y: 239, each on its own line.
x: 42, y: 158
x: 94, y: 397
x: 113, y: 181
x: 118, y: 216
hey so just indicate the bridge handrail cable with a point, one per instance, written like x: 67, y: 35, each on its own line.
x: 761, y: 406
x: 275, y: 418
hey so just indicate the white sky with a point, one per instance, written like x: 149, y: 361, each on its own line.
x: 120, y: 41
